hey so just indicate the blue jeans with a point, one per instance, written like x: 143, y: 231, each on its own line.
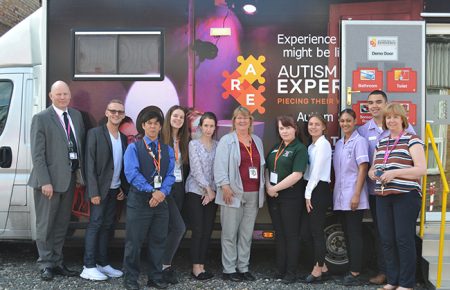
x: 98, y: 231
x: 397, y: 216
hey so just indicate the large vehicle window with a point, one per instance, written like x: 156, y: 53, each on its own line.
x: 118, y: 55
x: 6, y: 88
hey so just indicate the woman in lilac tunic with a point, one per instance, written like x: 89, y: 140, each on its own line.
x: 350, y: 199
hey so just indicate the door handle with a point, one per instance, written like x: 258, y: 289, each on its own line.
x: 349, y: 95
x: 5, y: 157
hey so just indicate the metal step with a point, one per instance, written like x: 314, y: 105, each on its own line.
x: 432, y: 273
x: 445, y: 284
x: 430, y: 245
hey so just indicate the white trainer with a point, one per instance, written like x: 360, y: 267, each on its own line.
x: 93, y: 274
x: 110, y: 271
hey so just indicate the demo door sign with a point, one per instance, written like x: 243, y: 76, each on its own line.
x: 382, y: 48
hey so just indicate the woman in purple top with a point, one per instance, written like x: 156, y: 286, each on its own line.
x: 350, y: 199
x: 201, y: 191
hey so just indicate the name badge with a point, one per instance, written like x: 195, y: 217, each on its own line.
x: 73, y: 155
x: 253, y: 172
x: 273, y: 178
x: 178, y: 175
x: 157, y: 181
x: 372, y: 138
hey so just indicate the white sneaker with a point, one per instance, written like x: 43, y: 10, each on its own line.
x: 110, y: 271
x: 93, y: 274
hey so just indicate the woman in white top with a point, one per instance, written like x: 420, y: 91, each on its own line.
x: 318, y: 196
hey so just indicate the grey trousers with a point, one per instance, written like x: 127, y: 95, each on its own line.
x: 52, y: 222
x: 237, y: 233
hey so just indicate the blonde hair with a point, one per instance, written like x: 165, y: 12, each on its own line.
x: 396, y: 110
x: 242, y: 111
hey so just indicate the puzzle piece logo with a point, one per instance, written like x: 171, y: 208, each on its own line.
x: 240, y: 84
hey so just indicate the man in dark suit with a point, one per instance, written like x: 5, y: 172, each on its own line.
x: 106, y: 183
x: 57, y: 137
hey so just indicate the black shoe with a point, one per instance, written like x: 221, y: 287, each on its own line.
x: 47, y: 274
x: 312, y: 279
x: 159, y: 284
x: 64, y: 271
x: 351, y: 280
x: 289, y: 278
x: 247, y: 276
x: 170, y: 276
x: 202, y: 276
x: 235, y: 277
x: 130, y: 285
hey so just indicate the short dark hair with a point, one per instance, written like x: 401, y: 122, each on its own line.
x: 145, y: 115
x: 378, y: 92
x: 287, y: 121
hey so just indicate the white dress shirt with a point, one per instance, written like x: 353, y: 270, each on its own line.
x: 319, y: 164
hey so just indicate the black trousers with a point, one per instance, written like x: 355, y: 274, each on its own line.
x: 98, y: 231
x: 285, y: 214
x: 144, y: 222
x: 381, y: 264
x: 177, y: 227
x: 352, y: 225
x: 314, y: 222
x: 201, y: 221
x: 397, y: 215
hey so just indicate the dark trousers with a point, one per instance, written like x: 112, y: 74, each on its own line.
x: 177, y: 227
x: 52, y: 222
x: 397, y: 216
x: 379, y: 249
x: 144, y: 222
x: 352, y: 225
x: 285, y: 214
x: 98, y: 231
x: 314, y: 221
x: 201, y: 220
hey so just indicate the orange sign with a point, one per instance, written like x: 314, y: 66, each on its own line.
x: 367, y: 79
x: 363, y: 115
x: 402, y: 80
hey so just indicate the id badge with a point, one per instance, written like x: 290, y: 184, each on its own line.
x: 73, y: 155
x: 273, y: 178
x: 157, y: 181
x: 178, y: 175
x: 253, y: 172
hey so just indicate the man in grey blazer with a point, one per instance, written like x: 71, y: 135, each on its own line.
x: 57, y: 137
x: 106, y: 183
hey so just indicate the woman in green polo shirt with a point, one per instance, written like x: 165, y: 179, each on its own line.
x: 286, y: 163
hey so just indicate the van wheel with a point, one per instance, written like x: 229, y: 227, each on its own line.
x: 336, y: 256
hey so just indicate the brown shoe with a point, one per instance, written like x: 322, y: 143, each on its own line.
x: 379, y: 279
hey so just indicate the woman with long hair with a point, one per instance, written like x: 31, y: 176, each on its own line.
x: 175, y: 133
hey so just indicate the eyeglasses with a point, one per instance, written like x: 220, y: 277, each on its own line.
x: 118, y: 112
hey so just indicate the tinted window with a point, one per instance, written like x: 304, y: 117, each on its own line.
x: 118, y: 55
x: 6, y: 88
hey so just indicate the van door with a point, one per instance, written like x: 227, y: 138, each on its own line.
x: 11, y: 87
x: 384, y: 55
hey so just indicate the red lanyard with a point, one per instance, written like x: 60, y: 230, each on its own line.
x: 157, y: 163
x: 388, y: 152
x: 278, y: 154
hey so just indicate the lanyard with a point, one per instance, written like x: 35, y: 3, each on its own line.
x: 175, y: 142
x: 157, y: 163
x: 388, y: 152
x: 249, y: 151
x: 278, y: 154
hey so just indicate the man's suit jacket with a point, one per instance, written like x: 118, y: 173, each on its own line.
x: 50, y: 151
x: 100, y: 163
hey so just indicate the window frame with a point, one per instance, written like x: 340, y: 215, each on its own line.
x: 116, y: 32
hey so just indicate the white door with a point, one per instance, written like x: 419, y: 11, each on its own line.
x: 11, y: 87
